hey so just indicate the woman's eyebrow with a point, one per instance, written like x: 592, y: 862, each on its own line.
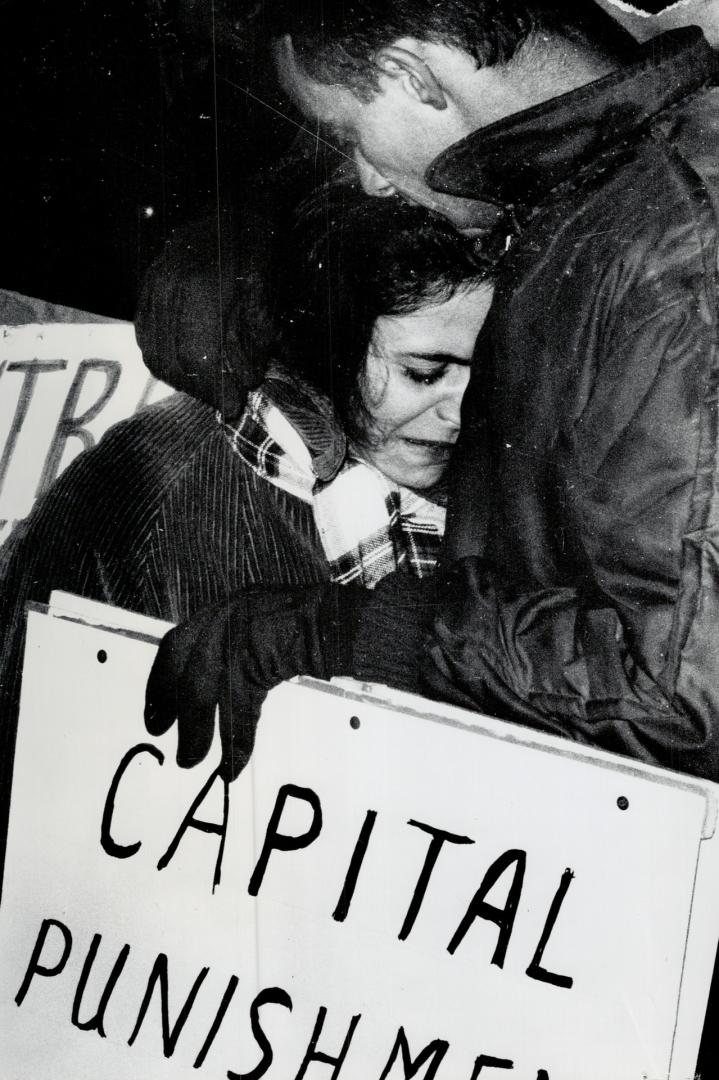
x: 435, y: 357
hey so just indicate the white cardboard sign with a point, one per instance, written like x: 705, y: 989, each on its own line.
x: 62, y: 385
x: 400, y: 890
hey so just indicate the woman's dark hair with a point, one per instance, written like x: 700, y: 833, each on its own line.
x: 336, y: 40
x: 355, y: 259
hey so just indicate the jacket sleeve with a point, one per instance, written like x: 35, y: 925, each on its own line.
x: 543, y: 659
x: 548, y: 660
x: 615, y: 643
x: 588, y: 604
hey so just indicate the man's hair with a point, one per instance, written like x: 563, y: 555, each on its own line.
x: 335, y: 41
x: 353, y: 260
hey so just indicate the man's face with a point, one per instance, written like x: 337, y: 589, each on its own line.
x: 391, y: 138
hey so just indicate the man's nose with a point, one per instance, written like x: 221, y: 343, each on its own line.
x: 449, y: 409
x: 372, y: 181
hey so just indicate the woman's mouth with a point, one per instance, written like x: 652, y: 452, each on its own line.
x: 433, y: 447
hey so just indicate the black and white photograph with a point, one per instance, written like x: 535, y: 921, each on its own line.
x: 359, y: 540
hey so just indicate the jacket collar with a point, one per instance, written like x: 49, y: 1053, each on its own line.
x: 518, y: 160
x: 313, y: 416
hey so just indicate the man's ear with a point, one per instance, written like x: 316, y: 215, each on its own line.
x: 417, y: 77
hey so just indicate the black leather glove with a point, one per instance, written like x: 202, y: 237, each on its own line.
x: 231, y: 654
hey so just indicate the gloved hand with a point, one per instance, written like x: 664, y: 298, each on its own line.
x: 231, y: 654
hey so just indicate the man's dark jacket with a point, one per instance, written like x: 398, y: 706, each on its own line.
x: 584, y: 524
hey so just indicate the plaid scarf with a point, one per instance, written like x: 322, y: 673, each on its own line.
x: 368, y: 525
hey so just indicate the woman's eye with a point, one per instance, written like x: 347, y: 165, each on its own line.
x: 423, y: 376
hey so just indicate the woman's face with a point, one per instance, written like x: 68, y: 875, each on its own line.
x: 416, y: 374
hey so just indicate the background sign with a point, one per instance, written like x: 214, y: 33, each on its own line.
x: 62, y: 385
x: 382, y: 894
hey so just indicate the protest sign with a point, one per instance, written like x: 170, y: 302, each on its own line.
x: 390, y: 889
x: 62, y: 385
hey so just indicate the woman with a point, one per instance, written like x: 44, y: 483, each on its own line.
x: 175, y: 508
x: 360, y: 421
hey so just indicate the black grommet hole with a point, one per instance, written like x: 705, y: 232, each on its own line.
x: 354, y: 722
x: 101, y: 656
x: 623, y: 802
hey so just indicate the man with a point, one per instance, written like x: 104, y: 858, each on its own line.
x: 582, y: 594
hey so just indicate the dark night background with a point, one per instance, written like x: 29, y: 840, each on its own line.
x: 112, y: 108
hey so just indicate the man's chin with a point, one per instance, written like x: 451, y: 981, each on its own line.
x: 473, y: 228
x: 471, y: 219
x: 468, y: 218
x: 472, y: 232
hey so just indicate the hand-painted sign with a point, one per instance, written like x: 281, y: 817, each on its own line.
x: 62, y: 385
x: 391, y: 889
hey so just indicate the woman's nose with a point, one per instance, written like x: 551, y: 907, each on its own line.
x: 372, y: 181
x: 449, y: 409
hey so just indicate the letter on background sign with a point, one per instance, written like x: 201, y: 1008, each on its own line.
x: 62, y: 385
